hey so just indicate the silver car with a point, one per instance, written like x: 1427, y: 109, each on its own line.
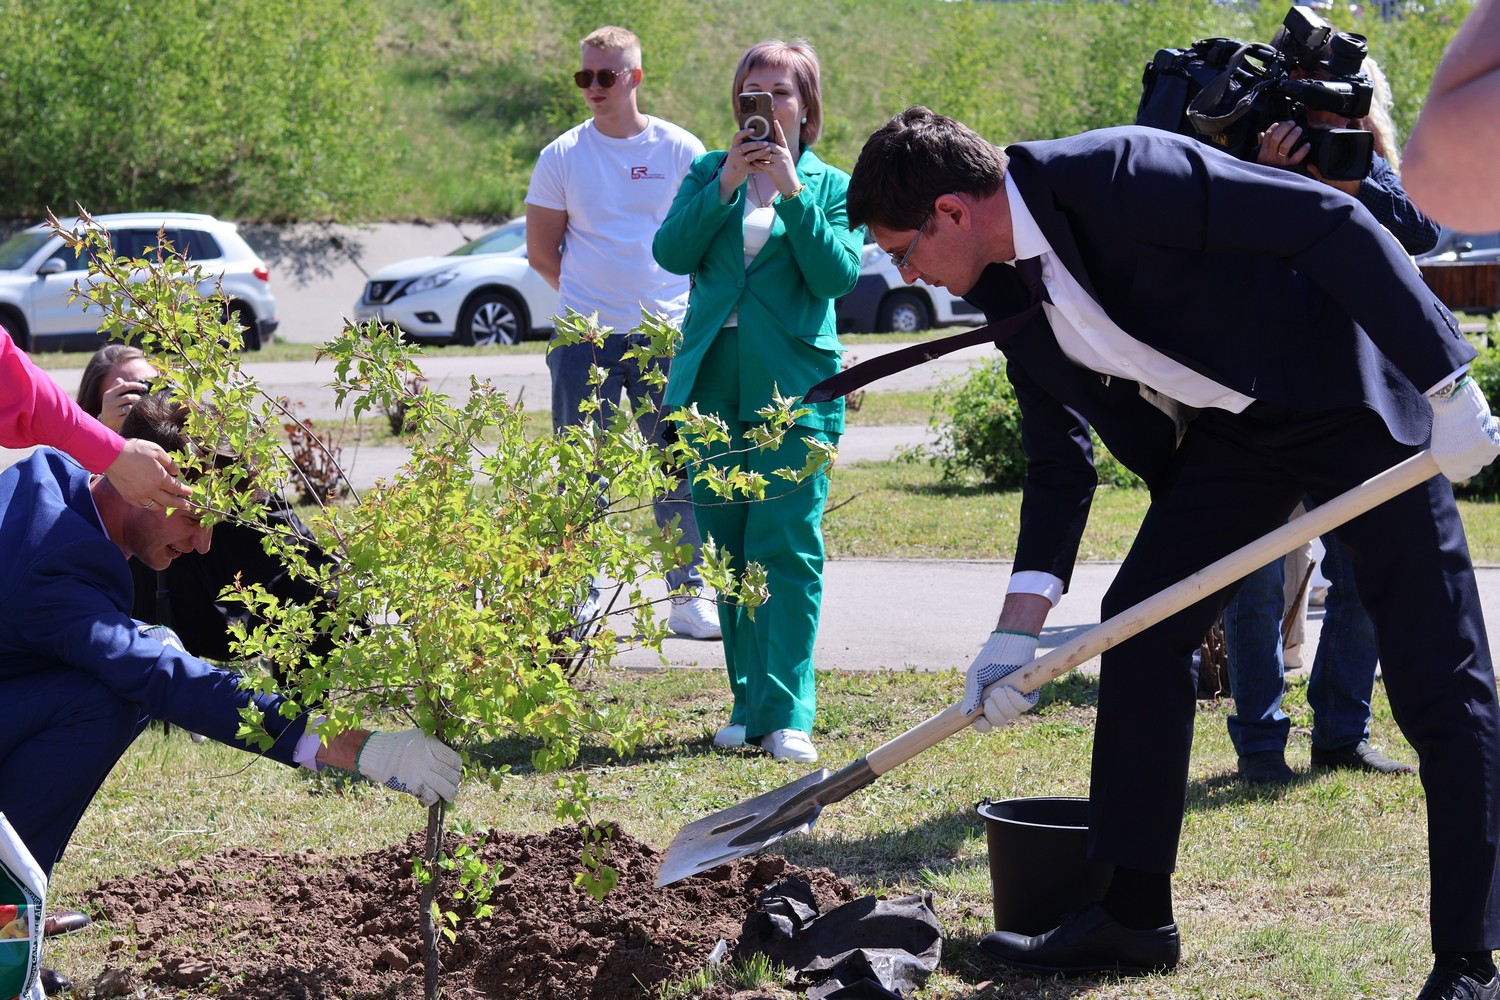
x: 484, y: 292
x: 38, y: 273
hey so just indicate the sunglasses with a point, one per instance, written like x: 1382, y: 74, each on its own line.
x: 607, y: 77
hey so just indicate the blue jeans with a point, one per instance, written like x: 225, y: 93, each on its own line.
x: 570, y: 366
x: 1343, y: 671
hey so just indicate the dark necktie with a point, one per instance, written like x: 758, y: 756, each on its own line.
x: 846, y: 381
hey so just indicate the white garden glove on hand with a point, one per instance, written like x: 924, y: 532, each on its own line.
x: 163, y: 635
x: 412, y: 762
x: 1465, y: 435
x: 1002, y: 655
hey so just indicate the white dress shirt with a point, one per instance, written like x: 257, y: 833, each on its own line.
x: 1089, y: 338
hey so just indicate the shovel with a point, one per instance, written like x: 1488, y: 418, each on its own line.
x: 753, y: 825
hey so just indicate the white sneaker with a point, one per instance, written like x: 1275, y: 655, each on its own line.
x: 696, y: 617
x: 732, y: 735
x: 790, y: 744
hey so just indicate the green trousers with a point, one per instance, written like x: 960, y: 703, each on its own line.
x: 769, y: 657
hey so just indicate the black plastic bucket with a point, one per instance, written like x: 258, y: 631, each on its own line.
x: 1039, y: 869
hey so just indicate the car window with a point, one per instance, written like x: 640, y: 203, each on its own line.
x: 18, y: 249
x: 195, y: 244
x: 133, y: 243
x: 73, y: 261
x: 506, y: 239
x: 191, y: 244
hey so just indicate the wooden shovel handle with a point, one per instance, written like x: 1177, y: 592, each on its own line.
x: 1208, y: 580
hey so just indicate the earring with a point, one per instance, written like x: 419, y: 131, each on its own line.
x: 804, y: 119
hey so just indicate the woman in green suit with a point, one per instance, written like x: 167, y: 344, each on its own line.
x: 762, y: 229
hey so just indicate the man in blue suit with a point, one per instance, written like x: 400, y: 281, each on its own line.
x: 1240, y: 337
x: 79, y: 678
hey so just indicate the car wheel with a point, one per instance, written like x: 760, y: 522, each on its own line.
x: 490, y: 318
x: 249, y: 328
x: 16, y: 327
x: 903, y: 312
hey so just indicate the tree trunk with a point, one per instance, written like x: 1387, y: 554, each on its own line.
x: 431, y: 931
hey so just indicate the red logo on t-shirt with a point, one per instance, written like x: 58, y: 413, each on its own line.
x: 643, y: 174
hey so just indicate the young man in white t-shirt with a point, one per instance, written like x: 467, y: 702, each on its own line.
x: 598, y: 194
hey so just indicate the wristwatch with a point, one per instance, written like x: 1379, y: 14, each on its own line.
x: 1447, y: 389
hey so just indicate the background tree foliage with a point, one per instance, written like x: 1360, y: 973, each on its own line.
x: 424, y: 109
x: 237, y: 107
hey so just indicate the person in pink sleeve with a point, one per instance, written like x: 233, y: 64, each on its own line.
x: 35, y: 410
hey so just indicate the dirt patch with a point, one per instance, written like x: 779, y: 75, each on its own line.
x: 253, y: 925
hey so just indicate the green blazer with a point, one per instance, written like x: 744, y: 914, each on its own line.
x: 788, y: 335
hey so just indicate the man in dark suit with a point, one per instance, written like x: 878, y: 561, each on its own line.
x: 1240, y: 337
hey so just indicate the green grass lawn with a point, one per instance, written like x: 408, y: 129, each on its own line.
x: 1316, y: 890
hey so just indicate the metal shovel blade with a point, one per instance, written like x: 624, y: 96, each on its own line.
x: 756, y: 823
x: 750, y: 826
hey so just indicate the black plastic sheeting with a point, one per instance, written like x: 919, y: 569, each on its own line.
x: 868, y: 949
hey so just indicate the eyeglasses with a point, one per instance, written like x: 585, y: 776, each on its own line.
x: 607, y: 77
x: 900, y: 262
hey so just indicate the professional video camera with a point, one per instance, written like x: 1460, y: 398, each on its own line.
x: 1227, y: 92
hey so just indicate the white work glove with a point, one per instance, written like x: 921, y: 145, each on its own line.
x: 412, y: 762
x: 163, y: 635
x: 1002, y: 655
x: 1465, y: 435
x: 1002, y: 706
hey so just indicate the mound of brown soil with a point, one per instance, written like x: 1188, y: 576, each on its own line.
x: 252, y: 925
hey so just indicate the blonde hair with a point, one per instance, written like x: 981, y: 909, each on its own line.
x: 1378, y: 121
x: 615, y: 39
x: 799, y: 58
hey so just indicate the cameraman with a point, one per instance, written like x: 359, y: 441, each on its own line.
x: 1343, y: 671
x: 1283, y: 145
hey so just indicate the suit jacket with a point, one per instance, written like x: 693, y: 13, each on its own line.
x: 67, y: 592
x: 1268, y: 282
x: 789, y: 336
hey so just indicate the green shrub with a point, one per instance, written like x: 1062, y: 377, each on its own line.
x: 241, y: 108
x: 978, y: 426
x: 1486, y: 371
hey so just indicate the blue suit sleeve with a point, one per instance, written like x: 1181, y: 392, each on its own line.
x: 72, y: 618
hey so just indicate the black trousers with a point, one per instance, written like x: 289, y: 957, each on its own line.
x: 1236, y: 477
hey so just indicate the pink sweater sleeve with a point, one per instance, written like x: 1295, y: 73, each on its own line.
x: 35, y: 410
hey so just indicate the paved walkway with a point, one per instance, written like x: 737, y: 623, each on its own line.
x: 935, y: 615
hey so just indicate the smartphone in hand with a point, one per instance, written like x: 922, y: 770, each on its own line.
x: 756, y: 112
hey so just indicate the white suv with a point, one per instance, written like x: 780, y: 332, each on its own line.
x: 38, y: 272
x: 882, y: 301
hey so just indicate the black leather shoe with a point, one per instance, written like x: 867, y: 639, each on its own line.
x: 61, y: 922
x: 1359, y: 757
x: 1448, y: 983
x: 54, y: 982
x: 1088, y: 941
x: 1268, y: 767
